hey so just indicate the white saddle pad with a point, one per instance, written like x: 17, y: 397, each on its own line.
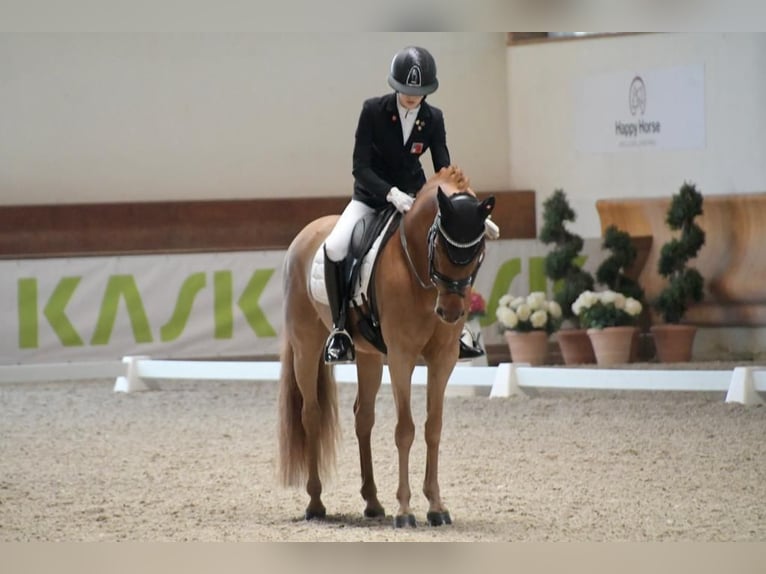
x: 316, y: 282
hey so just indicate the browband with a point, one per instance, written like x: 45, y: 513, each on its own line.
x: 454, y: 242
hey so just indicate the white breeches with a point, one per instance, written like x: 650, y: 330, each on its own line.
x: 337, y: 243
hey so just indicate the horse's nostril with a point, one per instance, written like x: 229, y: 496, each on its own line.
x: 440, y: 312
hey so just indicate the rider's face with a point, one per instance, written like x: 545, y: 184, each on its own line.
x: 410, y: 102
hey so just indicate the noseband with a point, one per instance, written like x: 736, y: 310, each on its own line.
x: 437, y: 278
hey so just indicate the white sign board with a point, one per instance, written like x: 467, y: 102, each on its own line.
x: 193, y: 305
x: 174, y: 306
x: 658, y: 108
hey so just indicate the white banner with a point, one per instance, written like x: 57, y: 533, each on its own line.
x: 658, y: 108
x: 196, y: 305
x: 186, y: 306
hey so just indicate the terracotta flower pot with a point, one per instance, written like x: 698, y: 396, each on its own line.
x: 674, y: 342
x: 612, y: 345
x: 528, y: 347
x: 576, y: 348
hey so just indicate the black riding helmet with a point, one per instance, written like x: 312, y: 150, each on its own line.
x: 413, y: 72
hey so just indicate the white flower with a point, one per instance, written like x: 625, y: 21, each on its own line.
x: 607, y: 297
x: 507, y: 317
x: 554, y: 309
x: 619, y: 301
x: 585, y: 300
x: 517, y: 302
x: 589, y: 298
x: 532, y: 311
x: 523, y: 311
x: 539, y: 318
x: 536, y: 300
x: 632, y: 307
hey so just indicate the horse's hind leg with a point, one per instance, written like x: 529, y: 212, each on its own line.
x: 369, y: 370
x: 317, y: 416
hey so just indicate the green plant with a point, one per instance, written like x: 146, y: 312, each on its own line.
x: 685, y: 284
x: 611, y: 271
x: 560, y: 263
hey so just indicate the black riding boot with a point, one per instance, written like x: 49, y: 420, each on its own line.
x: 339, y: 347
x: 470, y: 346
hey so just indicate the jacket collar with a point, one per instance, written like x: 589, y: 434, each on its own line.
x: 389, y: 102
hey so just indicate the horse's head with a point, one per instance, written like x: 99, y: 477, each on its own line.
x: 456, y: 250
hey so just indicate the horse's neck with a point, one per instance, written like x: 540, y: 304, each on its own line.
x: 416, y: 226
x: 419, y: 220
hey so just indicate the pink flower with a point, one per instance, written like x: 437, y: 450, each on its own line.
x: 477, y: 306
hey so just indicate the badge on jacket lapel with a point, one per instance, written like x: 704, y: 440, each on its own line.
x: 417, y: 147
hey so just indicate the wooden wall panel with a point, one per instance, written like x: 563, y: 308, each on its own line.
x: 731, y: 261
x: 193, y: 226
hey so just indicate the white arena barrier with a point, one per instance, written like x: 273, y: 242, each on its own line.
x: 56, y: 372
x: 141, y: 373
x: 744, y: 384
x: 741, y: 385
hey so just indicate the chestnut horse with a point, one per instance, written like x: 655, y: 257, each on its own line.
x: 423, y: 274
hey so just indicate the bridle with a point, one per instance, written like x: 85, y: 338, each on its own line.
x: 436, y: 277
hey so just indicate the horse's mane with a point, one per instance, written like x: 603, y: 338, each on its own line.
x: 447, y: 181
x: 444, y: 179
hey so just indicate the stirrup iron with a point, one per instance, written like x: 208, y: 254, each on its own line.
x: 339, y: 348
x: 470, y: 349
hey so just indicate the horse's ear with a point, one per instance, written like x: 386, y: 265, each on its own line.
x: 444, y: 204
x: 486, y: 206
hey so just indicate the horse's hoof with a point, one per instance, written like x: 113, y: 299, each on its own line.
x: 438, y: 518
x: 318, y: 514
x: 374, y: 512
x: 405, y: 520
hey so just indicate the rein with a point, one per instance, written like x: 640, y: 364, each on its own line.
x: 456, y: 286
x: 403, y: 238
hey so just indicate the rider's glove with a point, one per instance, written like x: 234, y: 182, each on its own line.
x: 491, y: 229
x: 400, y: 200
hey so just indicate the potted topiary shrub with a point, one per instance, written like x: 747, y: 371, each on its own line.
x: 673, y: 340
x: 611, y: 273
x: 570, y: 280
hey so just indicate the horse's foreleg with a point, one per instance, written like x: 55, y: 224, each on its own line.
x: 401, y: 379
x: 369, y: 374
x: 437, y: 513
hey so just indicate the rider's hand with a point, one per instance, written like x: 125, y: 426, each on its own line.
x: 461, y: 181
x: 457, y: 177
x: 400, y: 200
x: 491, y: 230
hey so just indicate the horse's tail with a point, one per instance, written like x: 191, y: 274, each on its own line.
x: 293, y: 443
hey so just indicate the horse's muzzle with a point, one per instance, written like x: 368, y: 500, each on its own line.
x: 450, y: 316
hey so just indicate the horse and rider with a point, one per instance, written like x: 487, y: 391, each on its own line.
x: 427, y: 260
x: 392, y: 133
